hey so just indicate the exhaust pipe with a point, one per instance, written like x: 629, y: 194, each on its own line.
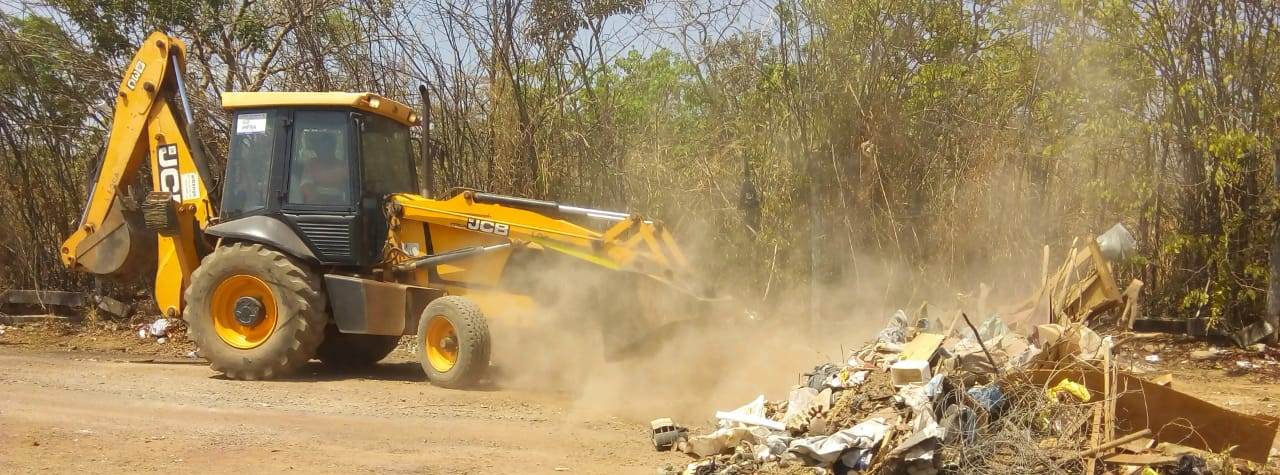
x: 428, y: 161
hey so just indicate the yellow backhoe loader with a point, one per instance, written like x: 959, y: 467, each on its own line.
x: 320, y: 246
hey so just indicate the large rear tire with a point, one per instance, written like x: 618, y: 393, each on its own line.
x: 453, y: 342
x: 349, y: 350
x: 255, y: 313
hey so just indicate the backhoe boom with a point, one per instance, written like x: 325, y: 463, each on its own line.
x: 111, y: 237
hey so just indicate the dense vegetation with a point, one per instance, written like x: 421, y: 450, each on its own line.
x: 878, y: 145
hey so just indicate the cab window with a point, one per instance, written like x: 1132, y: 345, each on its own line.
x: 384, y: 153
x: 248, y: 174
x: 319, y: 163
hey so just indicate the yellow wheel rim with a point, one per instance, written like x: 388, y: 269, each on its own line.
x: 223, y: 308
x: 442, y: 344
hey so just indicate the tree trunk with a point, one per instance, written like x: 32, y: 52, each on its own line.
x: 1273, y: 259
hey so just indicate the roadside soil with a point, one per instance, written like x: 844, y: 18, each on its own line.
x: 109, y: 401
x: 101, y: 399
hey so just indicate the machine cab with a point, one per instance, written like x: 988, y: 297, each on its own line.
x: 321, y: 164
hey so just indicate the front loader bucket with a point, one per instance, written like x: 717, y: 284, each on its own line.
x: 640, y: 312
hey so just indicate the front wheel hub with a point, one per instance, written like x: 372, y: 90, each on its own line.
x: 248, y: 311
x: 449, y: 343
x: 244, y: 311
x: 442, y: 344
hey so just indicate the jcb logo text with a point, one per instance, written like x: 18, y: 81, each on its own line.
x: 488, y: 226
x: 167, y: 158
x: 135, y: 75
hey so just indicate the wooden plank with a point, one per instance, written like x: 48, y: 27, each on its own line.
x: 1108, y: 391
x: 1103, y: 293
x: 1139, y: 446
x: 1084, y: 286
x: 43, y: 297
x: 19, y: 319
x: 1112, y: 444
x: 1140, y: 459
x: 922, y: 347
x: 1165, y: 380
x: 1103, y: 267
x: 1044, y: 266
x: 1060, y: 285
x: 1095, y: 439
x: 59, y: 298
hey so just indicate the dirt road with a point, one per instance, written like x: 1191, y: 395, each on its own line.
x: 98, y: 400
x: 72, y: 412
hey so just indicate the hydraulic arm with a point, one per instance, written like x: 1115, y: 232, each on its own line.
x: 631, y: 244
x: 112, y: 237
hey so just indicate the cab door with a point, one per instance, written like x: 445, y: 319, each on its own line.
x: 320, y: 194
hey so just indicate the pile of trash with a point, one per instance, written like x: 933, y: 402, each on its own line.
x: 972, y: 397
x: 158, y: 329
x: 1037, y: 392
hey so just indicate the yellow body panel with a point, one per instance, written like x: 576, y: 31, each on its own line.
x: 365, y: 101
x: 176, y: 254
x: 484, y: 269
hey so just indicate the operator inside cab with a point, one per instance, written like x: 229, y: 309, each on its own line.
x: 322, y: 172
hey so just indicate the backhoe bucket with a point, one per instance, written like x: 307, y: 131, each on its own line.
x: 122, y: 246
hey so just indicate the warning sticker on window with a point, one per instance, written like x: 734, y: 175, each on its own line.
x: 251, y: 123
x: 190, y: 186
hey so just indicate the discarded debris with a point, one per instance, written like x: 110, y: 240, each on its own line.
x: 861, y: 439
x: 1068, y: 386
x: 1201, y: 355
x: 978, y: 399
x: 1252, y: 333
x: 907, y: 372
x: 1037, y: 392
x: 665, y: 433
x: 158, y: 329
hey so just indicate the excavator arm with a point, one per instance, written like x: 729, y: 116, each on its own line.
x: 631, y: 243
x: 113, y: 237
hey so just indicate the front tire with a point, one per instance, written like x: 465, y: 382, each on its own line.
x: 254, y: 312
x: 453, y: 342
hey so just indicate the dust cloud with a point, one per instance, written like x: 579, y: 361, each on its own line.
x: 723, y: 355
x: 720, y: 358
x: 715, y: 364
